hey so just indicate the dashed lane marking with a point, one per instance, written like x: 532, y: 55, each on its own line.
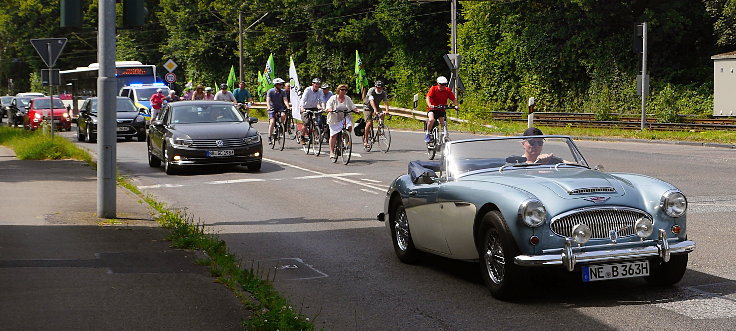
x: 348, y: 180
x: 369, y: 191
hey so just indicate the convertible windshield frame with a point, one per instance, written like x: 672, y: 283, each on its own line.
x: 486, y: 162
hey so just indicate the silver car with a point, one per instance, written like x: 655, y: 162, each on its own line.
x: 516, y: 212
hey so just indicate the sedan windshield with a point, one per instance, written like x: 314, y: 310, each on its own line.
x: 123, y: 105
x: 45, y: 103
x: 205, y: 114
x: 24, y: 101
x: 144, y: 94
x: 6, y: 100
x: 466, y: 156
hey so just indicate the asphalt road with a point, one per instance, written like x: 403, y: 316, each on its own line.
x: 310, y: 224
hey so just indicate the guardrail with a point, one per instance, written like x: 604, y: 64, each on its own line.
x: 586, y: 120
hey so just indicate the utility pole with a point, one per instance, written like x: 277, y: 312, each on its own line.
x: 106, y: 126
x: 453, y: 37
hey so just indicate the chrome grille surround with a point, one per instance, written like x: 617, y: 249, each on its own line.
x: 601, y: 221
x: 212, y: 143
x: 589, y: 190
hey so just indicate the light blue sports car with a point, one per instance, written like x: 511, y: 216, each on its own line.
x: 521, y: 204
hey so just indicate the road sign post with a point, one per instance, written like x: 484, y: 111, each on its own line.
x: 49, y: 49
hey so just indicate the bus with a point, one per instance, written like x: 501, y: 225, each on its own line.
x: 81, y: 82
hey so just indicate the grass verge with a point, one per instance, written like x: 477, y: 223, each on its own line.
x: 270, y: 310
x: 34, y: 145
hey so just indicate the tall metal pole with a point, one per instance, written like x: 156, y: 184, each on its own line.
x: 453, y: 37
x: 106, y: 126
x: 51, y: 92
x: 644, y: 78
x: 240, y: 36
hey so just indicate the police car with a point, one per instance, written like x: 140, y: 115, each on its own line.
x: 140, y: 94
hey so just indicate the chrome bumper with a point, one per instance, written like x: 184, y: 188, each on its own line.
x: 570, y: 256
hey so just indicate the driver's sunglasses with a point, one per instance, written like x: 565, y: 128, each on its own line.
x: 535, y: 142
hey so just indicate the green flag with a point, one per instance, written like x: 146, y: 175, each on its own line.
x: 231, y: 79
x: 360, y: 80
x: 261, y: 86
x: 268, y: 73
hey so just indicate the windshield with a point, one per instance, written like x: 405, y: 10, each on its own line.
x: 478, y: 155
x: 6, y: 100
x: 144, y: 94
x: 122, y: 105
x: 205, y: 114
x: 24, y: 101
x: 45, y: 103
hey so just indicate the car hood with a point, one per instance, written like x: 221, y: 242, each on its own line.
x: 57, y: 111
x: 565, y: 183
x: 221, y: 130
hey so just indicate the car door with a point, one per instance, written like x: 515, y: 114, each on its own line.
x: 84, y: 116
x: 425, y: 214
x: 157, y: 133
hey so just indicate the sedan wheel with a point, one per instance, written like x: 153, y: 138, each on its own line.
x: 153, y: 160
x: 90, y: 138
x: 80, y: 135
x: 497, y: 251
x: 403, y: 244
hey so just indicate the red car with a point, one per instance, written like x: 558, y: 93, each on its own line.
x: 39, y: 109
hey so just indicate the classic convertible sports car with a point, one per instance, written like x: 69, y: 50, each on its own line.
x: 485, y: 202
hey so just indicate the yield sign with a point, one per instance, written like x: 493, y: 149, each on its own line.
x: 49, y: 49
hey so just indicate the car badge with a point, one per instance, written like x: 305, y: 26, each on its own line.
x: 597, y: 199
x: 613, y: 235
x: 219, y: 143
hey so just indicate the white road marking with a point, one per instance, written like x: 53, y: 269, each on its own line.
x: 348, y: 180
x: 235, y: 181
x: 329, y: 176
x: 161, y: 185
x: 369, y: 191
x: 371, y: 180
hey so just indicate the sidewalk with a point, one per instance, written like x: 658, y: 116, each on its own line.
x: 63, y: 268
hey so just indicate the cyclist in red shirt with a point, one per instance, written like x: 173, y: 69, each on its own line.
x: 437, y: 96
x: 157, y: 101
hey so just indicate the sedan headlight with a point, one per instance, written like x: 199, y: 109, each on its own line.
x: 37, y: 116
x: 139, y: 119
x: 181, y: 141
x: 252, y: 140
x: 674, y: 203
x: 65, y: 115
x: 532, y: 213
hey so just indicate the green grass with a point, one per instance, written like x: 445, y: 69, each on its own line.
x: 34, y: 145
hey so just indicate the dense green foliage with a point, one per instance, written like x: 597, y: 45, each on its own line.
x: 571, y: 55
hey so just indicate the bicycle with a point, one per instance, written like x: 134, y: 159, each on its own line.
x: 321, y: 134
x: 344, y: 145
x: 244, y: 108
x: 279, y: 132
x: 290, y: 126
x: 380, y: 135
x: 438, y: 138
x: 312, y: 132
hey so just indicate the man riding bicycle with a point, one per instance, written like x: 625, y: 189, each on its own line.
x: 242, y: 96
x: 312, y: 101
x: 437, y: 96
x: 372, y: 104
x: 276, y: 102
x: 224, y: 95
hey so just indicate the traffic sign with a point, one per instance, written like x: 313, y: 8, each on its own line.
x: 170, y: 77
x: 170, y: 65
x: 49, y: 49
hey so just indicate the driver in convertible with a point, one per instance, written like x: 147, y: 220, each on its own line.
x: 533, y: 148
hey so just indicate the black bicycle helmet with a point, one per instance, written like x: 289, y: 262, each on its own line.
x: 378, y: 83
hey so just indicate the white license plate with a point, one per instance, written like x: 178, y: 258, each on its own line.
x: 224, y: 152
x: 122, y: 128
x: 594, y: 273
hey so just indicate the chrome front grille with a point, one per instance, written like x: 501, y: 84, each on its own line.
x: 589, y: 190
x: 212, y: 143
x: 600, y: 220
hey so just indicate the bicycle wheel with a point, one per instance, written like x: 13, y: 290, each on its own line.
x: 274, y: 138
x: 282, y: 138
x: 291, y: 128
x: 309, y: 139
x: 338, y: 147
x: 432, y: 145
x: 384, y: 138
x: 347, y: 147
x: 371, y: 138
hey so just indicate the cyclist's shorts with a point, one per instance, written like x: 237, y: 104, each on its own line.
x: 437, y: 113
x: 368, y: 113
x: 272, y: 113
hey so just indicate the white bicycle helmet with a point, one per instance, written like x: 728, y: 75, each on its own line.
x: 441, y: 80
x: 278, y: 81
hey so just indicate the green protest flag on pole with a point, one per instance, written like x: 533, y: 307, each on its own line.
x: 268, y: 73
x: 261, y: 85
x: 231, y: 79
x: 360, y: 80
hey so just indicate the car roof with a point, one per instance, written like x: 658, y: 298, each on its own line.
x: 117, y: 97
x: 199, y: 102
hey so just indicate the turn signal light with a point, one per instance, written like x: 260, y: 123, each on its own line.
x: 676, y: 229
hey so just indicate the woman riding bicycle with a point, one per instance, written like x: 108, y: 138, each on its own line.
x: 336, y: 107
x: 437, y: 97
x: 276, y: 102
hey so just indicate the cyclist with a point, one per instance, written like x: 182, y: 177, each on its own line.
x: 208, y: 93
x: 157, y: 102
x: 326, y: 95
x: 198, y: 93
x: 437, y: 96
x: 242, y: 95
x: 224, y: 95
x: 372, y: 104
x: 311, y: 100
x: 277, y: 104
x: 339, y: 102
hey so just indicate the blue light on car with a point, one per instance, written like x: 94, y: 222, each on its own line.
x: 136, y: 84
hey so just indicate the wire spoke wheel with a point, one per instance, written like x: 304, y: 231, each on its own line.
x: 318, y: 140
x: 282, y: 138
x: 347, y: 147
x: 432, y: 145
x: 384, y: 138
x: 338, y: 147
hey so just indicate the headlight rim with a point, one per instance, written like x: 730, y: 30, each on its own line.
x: 524, y: 208
x: 664, y: 203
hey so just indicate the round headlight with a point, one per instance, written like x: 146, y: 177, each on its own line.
x: 674, y: 203
x: 532, y: 213
x: 581, y: 233
x: 643, y: 227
